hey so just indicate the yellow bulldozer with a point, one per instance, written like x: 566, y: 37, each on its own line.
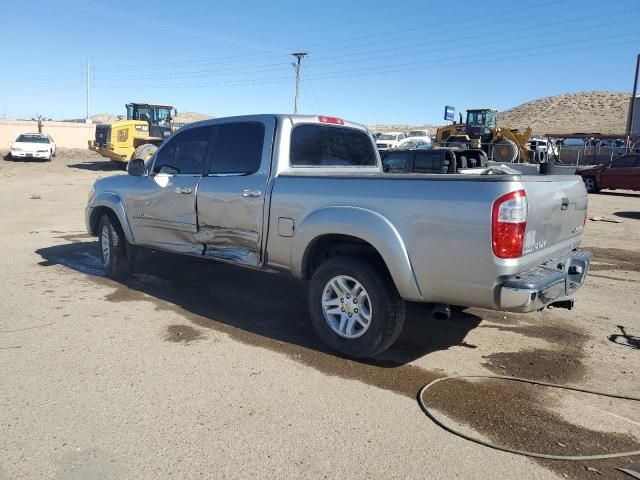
x: 139, y: 136
x: 481, y: 132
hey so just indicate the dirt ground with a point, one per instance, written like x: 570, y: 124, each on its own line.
x: 197, y: 369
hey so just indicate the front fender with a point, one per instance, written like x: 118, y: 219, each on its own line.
x: 113, y: 202
x: 366, y: 225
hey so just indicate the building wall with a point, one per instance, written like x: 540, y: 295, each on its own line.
x: 65, y: 134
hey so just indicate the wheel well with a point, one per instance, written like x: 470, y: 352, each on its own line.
x: 334, y: 245
x: 96, y: 214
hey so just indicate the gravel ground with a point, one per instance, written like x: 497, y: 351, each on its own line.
x: 197, y: 369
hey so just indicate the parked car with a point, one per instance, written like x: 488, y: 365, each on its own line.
x: 424, y: 135
x: 623, y: 173
x: 389, y: 140
x: 409, y: 143
x: 33, y: 145
x: 307, y: 195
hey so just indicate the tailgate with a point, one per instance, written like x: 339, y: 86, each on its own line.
x: 557, y: 211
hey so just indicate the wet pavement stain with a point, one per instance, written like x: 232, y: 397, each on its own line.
x: 182, y: 334
x: 545, y: 365
x: 270, y: 311
x: 550, y: 333
x: 514, y: 415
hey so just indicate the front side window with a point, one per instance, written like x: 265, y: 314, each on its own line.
x: 185, y: 153
x: 328, y: 146
x: 238, y: 148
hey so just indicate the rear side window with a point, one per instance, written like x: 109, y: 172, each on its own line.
x: 424, y: 162
x: 238, y: 148
x: 185, y: 153
x: 326, y: 146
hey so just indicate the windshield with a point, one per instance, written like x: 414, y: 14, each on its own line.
x: 417, y: 133
x: 155, y: 114
x: 481, y: 119
x: 388, y: 136
x: 32, y: 139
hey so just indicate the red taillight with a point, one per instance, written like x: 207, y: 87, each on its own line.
x: 508, y: 224
x: 333, y: 120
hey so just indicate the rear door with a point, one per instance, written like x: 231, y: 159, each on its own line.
x: 231, y: 196
x: 162, y: 207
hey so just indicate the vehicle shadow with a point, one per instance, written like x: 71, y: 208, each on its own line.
x: 620, y: 194
x: 632, y: 215
x: 258, y: 306
x: 99, y: 166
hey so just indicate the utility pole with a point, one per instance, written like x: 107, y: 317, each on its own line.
x: 632, y: 105
x: 299, y: 56
x: 88, y: 91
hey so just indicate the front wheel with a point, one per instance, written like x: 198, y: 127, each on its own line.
x: 355, y: 309
x: 590, y: 184
x: 113, y: 248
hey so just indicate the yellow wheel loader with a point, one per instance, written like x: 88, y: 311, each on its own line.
x: 139, y: 136
x: 481, y: 132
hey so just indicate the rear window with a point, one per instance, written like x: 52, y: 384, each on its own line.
x: 327, y: 146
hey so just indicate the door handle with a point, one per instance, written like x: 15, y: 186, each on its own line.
x: 183, y: 190
x: 565, y: 203
x: 247, y: 193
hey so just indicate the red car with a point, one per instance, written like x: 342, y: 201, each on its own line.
x: 622, y: 173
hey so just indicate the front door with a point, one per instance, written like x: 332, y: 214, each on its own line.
x: 231, y: 195
x: 162, y: 209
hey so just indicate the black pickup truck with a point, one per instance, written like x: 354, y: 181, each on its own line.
x: 432, y: 160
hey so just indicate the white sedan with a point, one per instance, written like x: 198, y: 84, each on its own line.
x: 33, y: 145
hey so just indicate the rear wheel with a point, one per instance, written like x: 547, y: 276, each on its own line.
x: 113, y: 248
x: 355, y: 309
x: 590, y: 184
x: 505, y: 151
x: 145, y: 152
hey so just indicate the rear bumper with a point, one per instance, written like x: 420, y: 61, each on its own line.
x: 553, y: 282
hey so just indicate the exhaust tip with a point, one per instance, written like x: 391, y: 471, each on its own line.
x: 441, y: 311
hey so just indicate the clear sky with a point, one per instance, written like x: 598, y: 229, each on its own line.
x: 371, y: 62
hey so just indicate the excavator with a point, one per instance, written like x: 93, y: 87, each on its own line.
x: 480, y: 132
x: 139, y: 136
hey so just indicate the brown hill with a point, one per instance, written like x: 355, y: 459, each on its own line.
x: 182, y: 117
x: 594, y: 112
x: 602, y: 112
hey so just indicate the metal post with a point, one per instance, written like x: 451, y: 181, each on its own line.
x: 632, y: 105
x: 299, y: 56
x: 88, y: 92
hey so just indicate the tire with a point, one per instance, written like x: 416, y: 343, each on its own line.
x: 590, y: 184
x: 379, y: 297
x: 505, y: 151
x: 145, y: 152
x: 113, y: 248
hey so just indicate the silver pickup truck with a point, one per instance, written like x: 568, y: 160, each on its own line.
x: 307, y: 195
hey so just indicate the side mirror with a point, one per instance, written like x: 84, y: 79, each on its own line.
x: 136, y: 167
